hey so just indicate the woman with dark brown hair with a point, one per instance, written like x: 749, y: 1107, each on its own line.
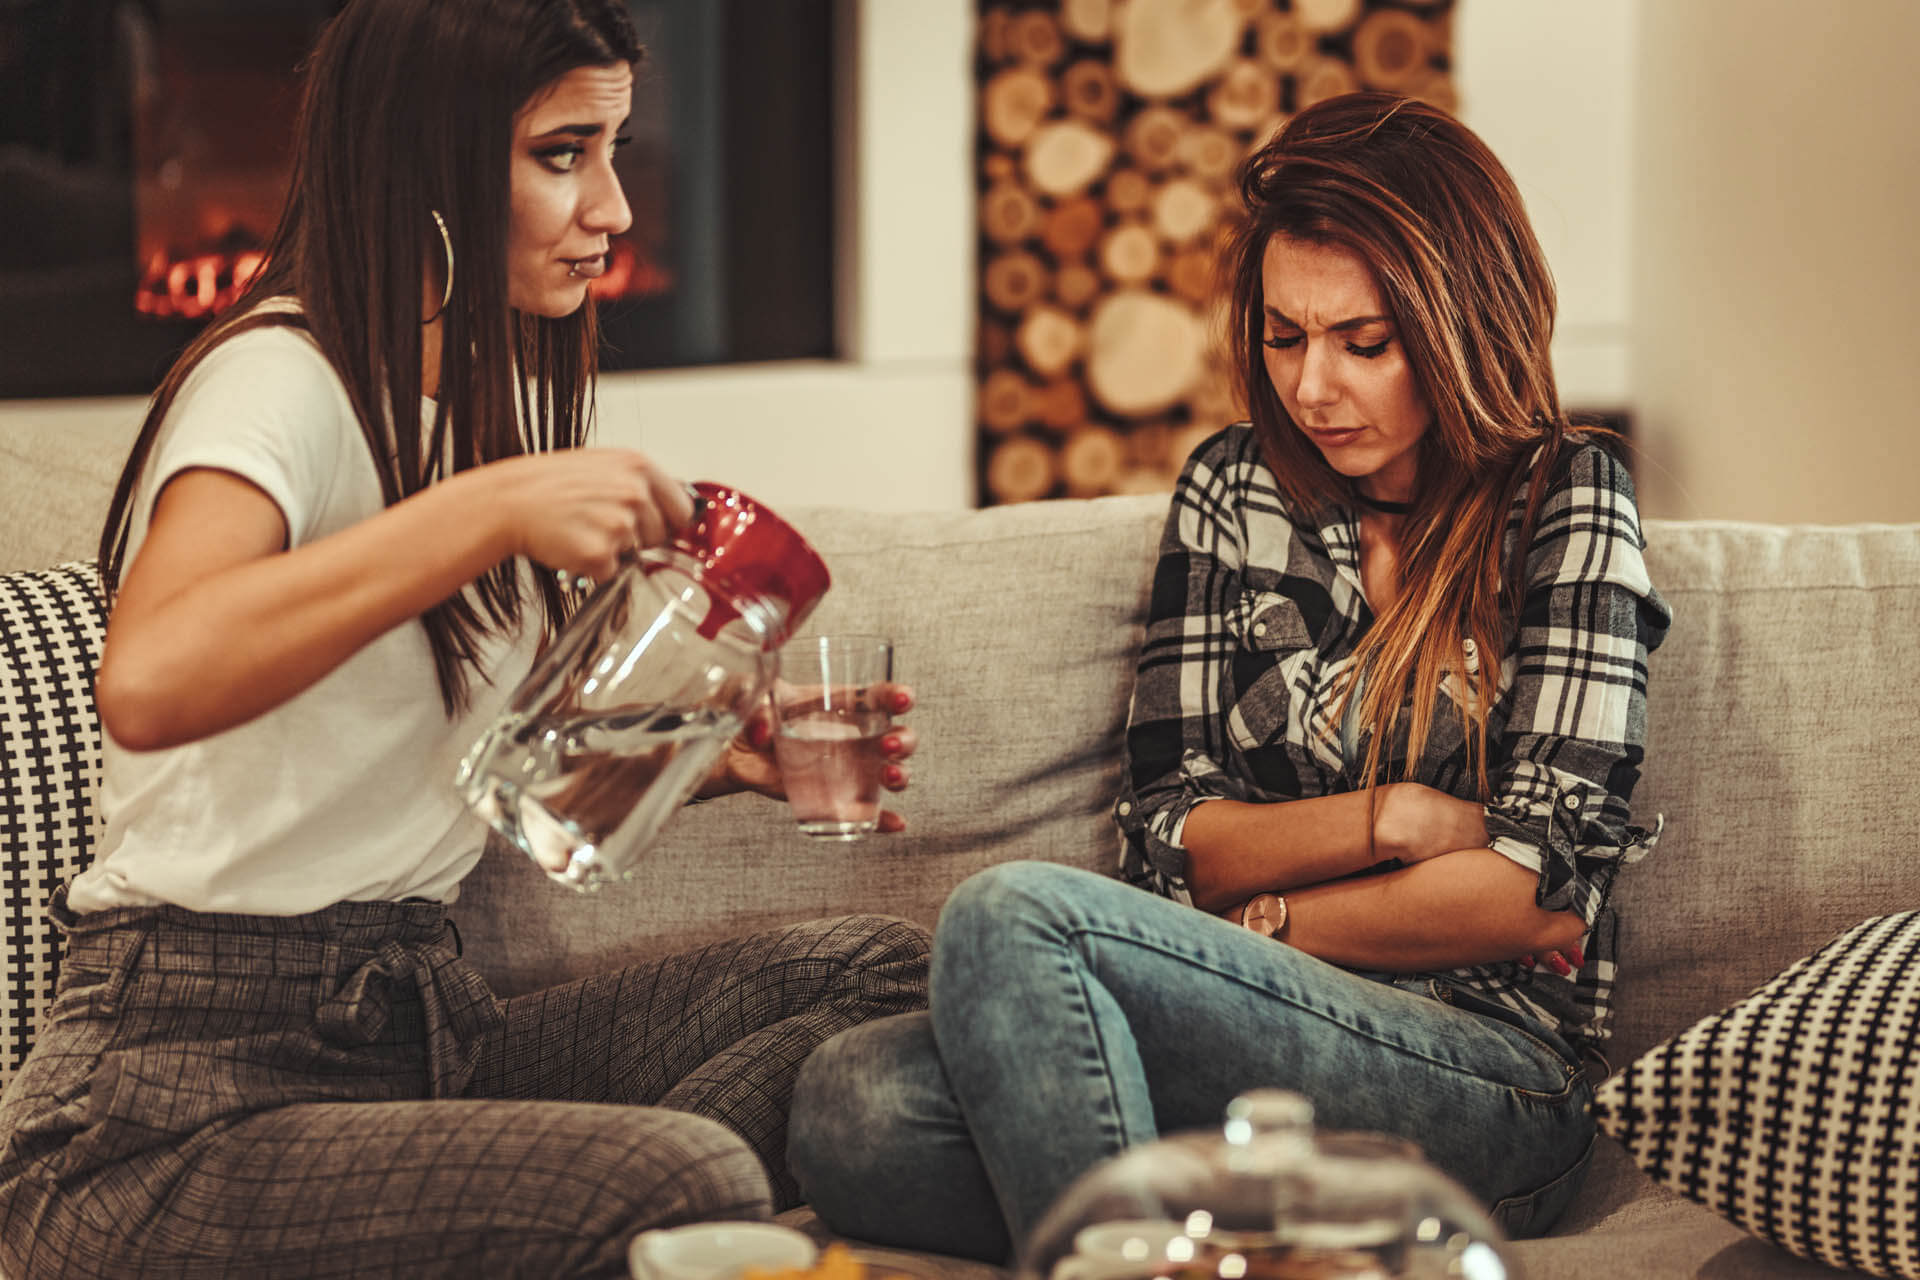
x: 1389, y: 716
x: 335, y: 549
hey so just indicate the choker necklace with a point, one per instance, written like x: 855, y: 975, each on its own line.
x: 1384, y: 508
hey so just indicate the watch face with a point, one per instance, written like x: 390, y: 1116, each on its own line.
x: 1265, y: 913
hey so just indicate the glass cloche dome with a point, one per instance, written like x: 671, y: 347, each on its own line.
x: 1267, y: 1198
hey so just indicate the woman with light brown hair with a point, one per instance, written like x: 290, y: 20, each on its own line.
x: 1390, y: 711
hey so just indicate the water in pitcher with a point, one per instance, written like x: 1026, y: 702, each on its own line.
x: 579, y: 795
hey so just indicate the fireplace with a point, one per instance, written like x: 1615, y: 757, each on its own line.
x: 144, y: 150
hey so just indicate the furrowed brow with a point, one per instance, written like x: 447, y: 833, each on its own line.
x: 1358, y: 322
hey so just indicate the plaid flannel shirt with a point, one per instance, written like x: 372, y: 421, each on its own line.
x: 1254, y: 619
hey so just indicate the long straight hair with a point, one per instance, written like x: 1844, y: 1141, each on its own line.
x: 408, y: 110
x: 1420, y: 199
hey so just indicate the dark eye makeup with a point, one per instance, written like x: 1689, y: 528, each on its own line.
x: 561, y: 157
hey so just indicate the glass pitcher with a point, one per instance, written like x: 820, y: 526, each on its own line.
x: 624, y: 715
x: 1267, y: 1198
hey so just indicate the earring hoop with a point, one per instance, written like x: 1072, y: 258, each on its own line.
x: 446, y: 243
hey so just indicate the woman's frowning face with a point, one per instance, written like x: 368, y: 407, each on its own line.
x: 566, y: 200
x: 1338, y: 366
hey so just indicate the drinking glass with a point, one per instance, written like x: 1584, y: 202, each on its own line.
x: 830, y: 718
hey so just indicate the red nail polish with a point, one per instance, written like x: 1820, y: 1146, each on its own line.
x: 901, y: 701
x: 1560, y: 965
x: 890, y: 745
x: 894, y: 775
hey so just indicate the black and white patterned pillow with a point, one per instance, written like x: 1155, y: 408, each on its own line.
x: 51, y: 626
x: 1796, y: 1113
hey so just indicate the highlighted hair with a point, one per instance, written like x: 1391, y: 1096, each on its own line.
x: 1420, y: 199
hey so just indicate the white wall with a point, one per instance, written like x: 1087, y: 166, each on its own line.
x: 1776, y: 336
x: 1726, y: 190
x: 889, y: 427
x: 1549, y: 85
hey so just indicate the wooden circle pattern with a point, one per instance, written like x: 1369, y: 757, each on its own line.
x: 1109, y: 134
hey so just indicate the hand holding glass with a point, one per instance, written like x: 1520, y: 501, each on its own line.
x: 830, y: 721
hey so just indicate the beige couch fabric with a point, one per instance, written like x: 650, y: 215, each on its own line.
x: 1018, y: 629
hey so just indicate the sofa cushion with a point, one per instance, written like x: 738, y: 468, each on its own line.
x: 1795, y: 1113
x: 51, y: 626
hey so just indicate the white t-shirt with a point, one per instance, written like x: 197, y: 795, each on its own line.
x: 344, y: 792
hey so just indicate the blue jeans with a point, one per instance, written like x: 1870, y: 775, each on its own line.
x: 1074, y: 1016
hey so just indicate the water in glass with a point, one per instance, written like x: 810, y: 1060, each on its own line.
x: 832, y: 762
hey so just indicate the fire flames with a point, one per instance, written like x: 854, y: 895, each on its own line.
x: 630, y: 276
x: 204, y: 284
x: 192, y: 287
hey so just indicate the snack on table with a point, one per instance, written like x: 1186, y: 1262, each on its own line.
x: 836, y: 1263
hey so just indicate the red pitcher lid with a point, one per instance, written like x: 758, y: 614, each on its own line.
x: 750, y: 555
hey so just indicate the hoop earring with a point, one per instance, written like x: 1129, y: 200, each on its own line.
x: 446, y: 243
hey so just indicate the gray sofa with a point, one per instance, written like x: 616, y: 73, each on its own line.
x: 1782, y: 712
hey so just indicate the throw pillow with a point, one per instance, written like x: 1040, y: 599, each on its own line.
x: 1796, y: 1113
x: 51, y: 626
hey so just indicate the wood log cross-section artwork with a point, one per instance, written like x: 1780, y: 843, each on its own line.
x: 1110, y: 135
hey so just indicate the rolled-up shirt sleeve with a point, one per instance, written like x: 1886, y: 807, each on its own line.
x: 1176, y: 730
x: 1563, y: 773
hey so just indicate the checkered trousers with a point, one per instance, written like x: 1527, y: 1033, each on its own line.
x: 339, y: 1094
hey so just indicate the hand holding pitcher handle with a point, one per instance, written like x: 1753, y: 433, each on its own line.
x: 579, y: 511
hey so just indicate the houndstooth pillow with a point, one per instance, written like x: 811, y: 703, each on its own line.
x: 1796, y: 1113
x: 51, y: 625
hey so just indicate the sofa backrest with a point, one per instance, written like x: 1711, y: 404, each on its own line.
x: 1018, y: 626
x: 58, y: 467
x: 1783, y: 709
x: 1779, y: 707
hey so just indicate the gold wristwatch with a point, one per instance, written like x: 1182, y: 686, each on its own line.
x: 1265, y: 914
